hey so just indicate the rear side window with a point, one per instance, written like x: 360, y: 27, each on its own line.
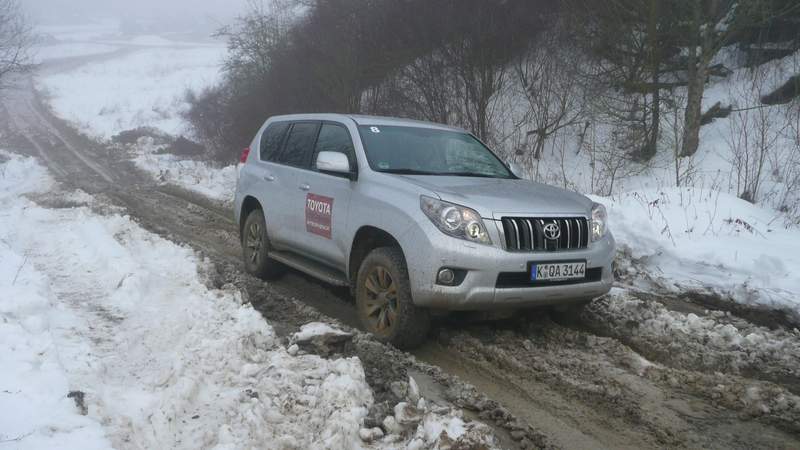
x: 299, y: 145
x: 336, y: 138
x: 271, y: 140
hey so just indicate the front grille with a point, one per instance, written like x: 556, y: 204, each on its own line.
x: 526, y: 234
x: 506, y: 280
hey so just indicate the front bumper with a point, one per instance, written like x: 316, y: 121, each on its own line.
x: 427, y: 250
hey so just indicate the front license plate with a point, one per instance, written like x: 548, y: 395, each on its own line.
x: 558, y: 271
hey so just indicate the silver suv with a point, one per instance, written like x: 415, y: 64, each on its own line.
x: 415, y: 218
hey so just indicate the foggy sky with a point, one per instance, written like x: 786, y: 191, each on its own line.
x: 77, y: 11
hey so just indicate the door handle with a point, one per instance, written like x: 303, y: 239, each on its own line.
x: 305, y: 187
x: 269, y: 177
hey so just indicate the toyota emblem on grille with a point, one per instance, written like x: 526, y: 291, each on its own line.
x: 552, y: 231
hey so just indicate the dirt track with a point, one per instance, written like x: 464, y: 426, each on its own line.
x: 638, y: 370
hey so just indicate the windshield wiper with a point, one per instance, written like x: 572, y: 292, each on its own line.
x: 407, y: 172
x: 441, y: 174
x: 469, y: 174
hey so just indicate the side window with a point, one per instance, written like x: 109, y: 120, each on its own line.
x: 271, y: 140
x: 299, y: 145
x: 336, y: 138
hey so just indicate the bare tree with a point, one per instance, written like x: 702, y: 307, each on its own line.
x: 710, y: 25
x: 15, y: 40
x: 787, y: 169
x: 754, y: 135
x: 555, y: 100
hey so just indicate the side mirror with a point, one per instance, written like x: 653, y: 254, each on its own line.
x: 333, y: 162
x: 516, y: 169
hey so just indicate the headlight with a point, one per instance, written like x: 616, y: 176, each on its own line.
x: 454, y: 220
x: 599, y: 221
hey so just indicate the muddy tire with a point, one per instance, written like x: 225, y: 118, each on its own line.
x: 255, y: 247
x: 384, y: 303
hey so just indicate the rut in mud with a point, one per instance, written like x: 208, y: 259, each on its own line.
x: 635, y: 371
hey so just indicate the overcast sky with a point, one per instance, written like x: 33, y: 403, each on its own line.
x: 76, y: 11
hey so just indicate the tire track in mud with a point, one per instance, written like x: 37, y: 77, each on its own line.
x: 601, y: 388
x: 540, y: 383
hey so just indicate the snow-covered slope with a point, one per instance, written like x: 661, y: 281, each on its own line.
x: 705, y: 239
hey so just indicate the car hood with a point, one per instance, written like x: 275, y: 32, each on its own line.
x: 492, y: 196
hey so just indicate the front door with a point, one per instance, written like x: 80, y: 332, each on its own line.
x: 322, y: 230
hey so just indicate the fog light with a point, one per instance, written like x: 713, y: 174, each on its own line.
x: 446, y: 276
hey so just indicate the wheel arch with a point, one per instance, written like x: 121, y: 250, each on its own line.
x: 249, y: 204
x: 366, y: 239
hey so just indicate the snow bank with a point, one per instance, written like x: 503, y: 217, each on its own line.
x: 121, y: 315
x: 35, y: 411
x: 689, y: 237
x: 218, y: 183
x: 144, y: 88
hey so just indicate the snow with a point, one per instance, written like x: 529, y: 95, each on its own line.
x: 123, y: 316
x: 699, y: 238
x: 218, y: 183
x: 142, y: 88
x: 715, y: 340
x: 33, y: 379
x: 313, y: 329
x: 163, y: 360
x: 55, y: 51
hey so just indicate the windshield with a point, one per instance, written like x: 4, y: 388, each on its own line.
x: 425, y: 151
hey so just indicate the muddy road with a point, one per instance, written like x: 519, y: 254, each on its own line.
x: 639, y: 369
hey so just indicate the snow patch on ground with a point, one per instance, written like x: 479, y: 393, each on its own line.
x: 706, y: 239
x: 313, y: 329
x: 218, y: 183
x: 143, y: 88
x: 715, y: 341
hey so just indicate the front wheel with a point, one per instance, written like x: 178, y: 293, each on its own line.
x: 384, y: 303
x: 255, y: 248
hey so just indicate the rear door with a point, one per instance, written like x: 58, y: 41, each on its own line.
x: 266, y: 178
x: 289, y: 166
x: 324, y: 231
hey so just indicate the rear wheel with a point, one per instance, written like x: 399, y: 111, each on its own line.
x: 384, y: 303
x: 255, y: 247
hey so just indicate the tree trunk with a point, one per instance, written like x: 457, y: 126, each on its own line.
x: 696, y: 74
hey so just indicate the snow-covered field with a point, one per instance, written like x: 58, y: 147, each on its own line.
x: 144, y: 87
x: 111, y: 339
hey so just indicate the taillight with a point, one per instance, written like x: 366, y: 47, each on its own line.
x: 245, y: 154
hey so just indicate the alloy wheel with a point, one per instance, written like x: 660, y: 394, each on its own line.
x: 380, y: 307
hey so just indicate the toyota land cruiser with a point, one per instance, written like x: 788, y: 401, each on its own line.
x: 414, y: 217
